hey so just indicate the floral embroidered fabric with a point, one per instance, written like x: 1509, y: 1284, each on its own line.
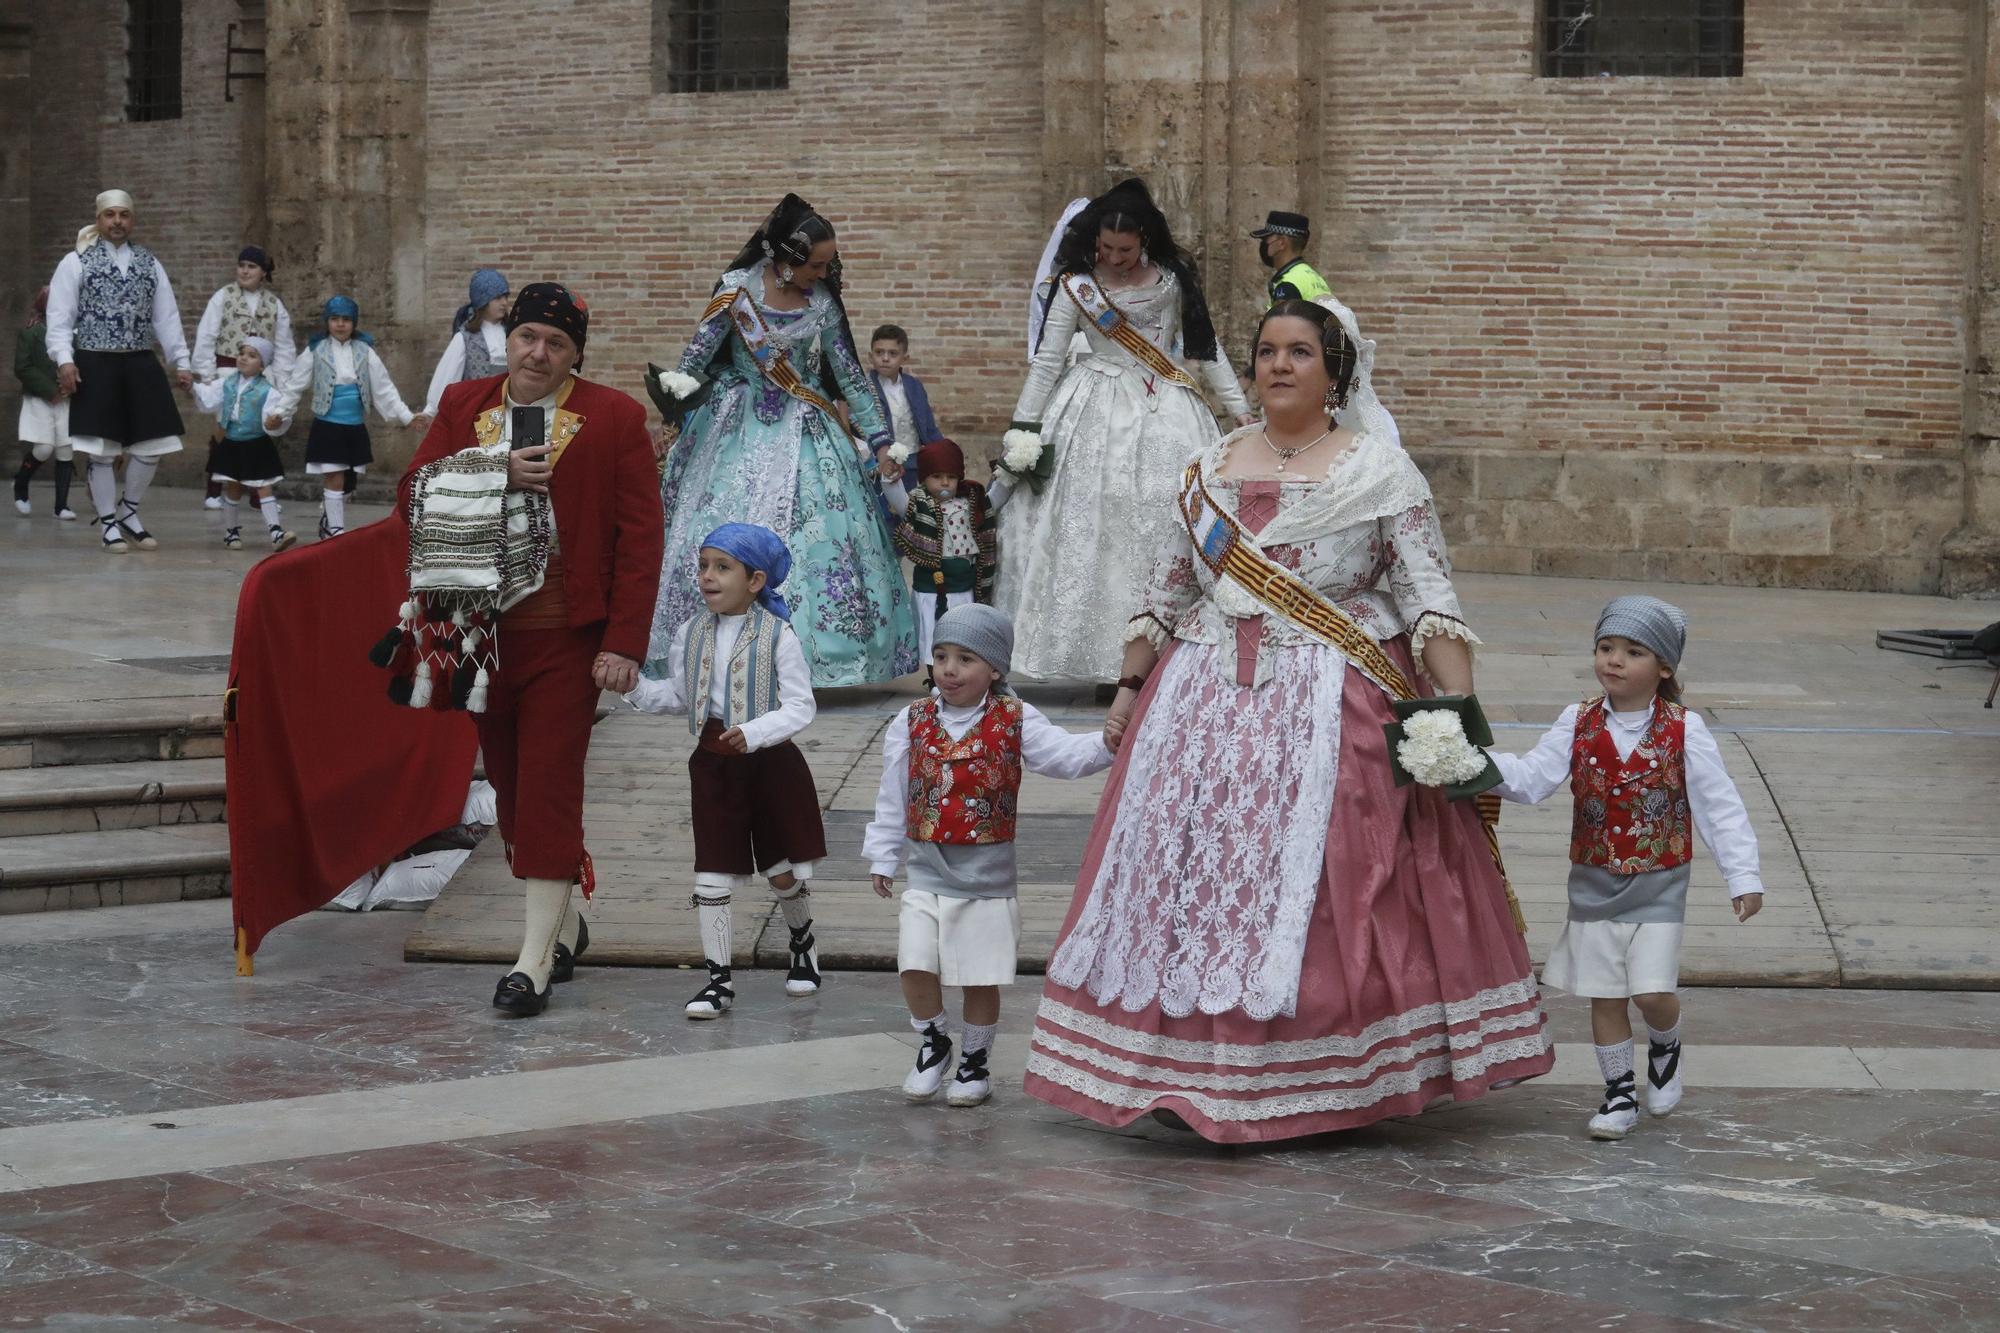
x: 1632, y: 814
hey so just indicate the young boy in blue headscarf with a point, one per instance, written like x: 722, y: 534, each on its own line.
x: 739, y: 673
x: 344, y: 378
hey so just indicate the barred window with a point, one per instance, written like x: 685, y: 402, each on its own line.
x: 1682, y: 39
x: 720, y: 46
x: 152, y: 59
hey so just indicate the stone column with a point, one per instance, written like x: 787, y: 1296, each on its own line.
x: 1971, y: 556
x: 1214, y: 102
x: 251, y: 129
x: 344, y: 116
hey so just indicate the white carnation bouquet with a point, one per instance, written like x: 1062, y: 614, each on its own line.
x: 899, y: 454
x: 678, y: 383
x: 1023, y: 457
x: 1437, y: 743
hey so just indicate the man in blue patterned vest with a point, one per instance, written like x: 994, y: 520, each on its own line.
x: 109, y: 302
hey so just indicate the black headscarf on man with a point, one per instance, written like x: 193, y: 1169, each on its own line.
x: 1128, y: 207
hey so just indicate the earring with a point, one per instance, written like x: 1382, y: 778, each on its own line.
x: 1334, y: 400
x: 785, y: 274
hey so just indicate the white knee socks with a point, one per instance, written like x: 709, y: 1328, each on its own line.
x: 571, y: 920
x: 547, y: 901
x: 103, y: 482
x: 712, y: 907
x: 269, y: 504
x: 336, y: 510
x: 1613, y: 1061
x: 977, y: 1036
x: 796, y: 905
x: 233, y: 512
x: 138, y: 476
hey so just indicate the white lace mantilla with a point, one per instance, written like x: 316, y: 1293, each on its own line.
x: 1206, y: 885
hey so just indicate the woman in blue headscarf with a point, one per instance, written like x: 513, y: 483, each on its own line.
x: 737, y: 670
x: 345, y: 378
x: 757, y: 395
x: 478, y: 346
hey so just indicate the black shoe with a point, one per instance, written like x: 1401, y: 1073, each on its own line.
x: 714, y: 999
x: 804, y: 978
x: 516, y: 994
x: 564, y: 967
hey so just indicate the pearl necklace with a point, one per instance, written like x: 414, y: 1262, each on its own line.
x: 1287, y: 455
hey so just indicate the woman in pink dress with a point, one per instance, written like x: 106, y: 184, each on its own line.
x: 1269, y: 937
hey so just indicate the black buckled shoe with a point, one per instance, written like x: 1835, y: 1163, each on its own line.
x: 516, y: 994
x: 564, y: 968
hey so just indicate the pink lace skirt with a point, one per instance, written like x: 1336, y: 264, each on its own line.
x: 1414, y: 984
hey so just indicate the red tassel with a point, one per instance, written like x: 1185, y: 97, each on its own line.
x: 586, y: 876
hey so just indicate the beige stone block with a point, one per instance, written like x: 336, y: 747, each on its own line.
x: 1709, y: 480
x: 1589, y: 478
x: 1493, y: 560
x: 1796, y: 482
x: 1781, y: 530
x: 1449, y: 471
x: 1537, y: 523
x: 1520, y: 476
x: 1919, y: 484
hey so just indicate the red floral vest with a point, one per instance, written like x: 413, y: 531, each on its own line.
x: 1631, y: 814
x: 964, y: 791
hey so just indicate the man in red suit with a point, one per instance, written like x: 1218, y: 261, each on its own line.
x: 583, y: 630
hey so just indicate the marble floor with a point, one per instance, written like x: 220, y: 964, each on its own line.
x: 350, y: 1141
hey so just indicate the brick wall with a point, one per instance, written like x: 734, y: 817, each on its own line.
x: 184, y: 175
x: 920, y: 139
x: 1579, y: 282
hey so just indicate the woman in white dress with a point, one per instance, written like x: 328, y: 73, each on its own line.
x: 1097, y: 447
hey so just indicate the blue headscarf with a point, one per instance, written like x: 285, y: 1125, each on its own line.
x: 488, y: 284
x: 757, y: 548
x: 342, y: 307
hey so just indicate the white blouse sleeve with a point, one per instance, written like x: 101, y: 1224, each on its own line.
x: 1051, y: 751
x: 1533, y: 777
x: 664, y: 696
x: 208, y: 394
x: 449, y: 367
x: 167, y: 319
x: 387, y: 401
x: 204, y: 339
x: 897, y: 494
x: 1419, y: 578
x: 61, y: 314
x: 288, y: 389
x: 288, y: 350
x: 882, y: 842
x: 1719, y: 816
x: 1051, y: 360
x: 796, y: 706
x: 1223, y: 387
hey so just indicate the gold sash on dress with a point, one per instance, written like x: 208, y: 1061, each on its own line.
x: 771, y: 359
x: 1221, y: 543
x: 1095, y: 303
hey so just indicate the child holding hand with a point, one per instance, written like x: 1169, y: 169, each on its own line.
x: 951, y: 784
x: 247, y: 456
x: 1646, y: 776
x: 947, y: 530
x: 739, y: 673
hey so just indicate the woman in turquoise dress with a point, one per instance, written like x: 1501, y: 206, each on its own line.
x: 761, y: 443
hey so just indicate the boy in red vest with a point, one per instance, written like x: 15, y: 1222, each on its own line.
x: 951, y: 782
x: 1646, y: 777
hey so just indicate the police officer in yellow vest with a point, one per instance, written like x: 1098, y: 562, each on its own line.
x: 1281, y: 243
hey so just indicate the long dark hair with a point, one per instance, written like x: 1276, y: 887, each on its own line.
x: 788, y: 236
x: 1336, y: 350
x: 1128, y: 207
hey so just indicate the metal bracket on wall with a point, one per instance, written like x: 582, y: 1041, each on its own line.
x: 230, y: 74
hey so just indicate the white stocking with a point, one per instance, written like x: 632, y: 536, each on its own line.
x: 103, y: 481
x: 138, y: 476
x: 336, y: 510
x: 547, y: 901
x: 712, y: 906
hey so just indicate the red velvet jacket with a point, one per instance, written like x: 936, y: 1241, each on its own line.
x: 606, y: 495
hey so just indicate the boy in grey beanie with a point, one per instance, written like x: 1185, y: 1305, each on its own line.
x: 1647, y: 779
x: 951, y: 784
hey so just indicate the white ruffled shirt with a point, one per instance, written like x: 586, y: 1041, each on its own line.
x: 66, y: 288
x: 796, y: 705
x: 1719, y: 816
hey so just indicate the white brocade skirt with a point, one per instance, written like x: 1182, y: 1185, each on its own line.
x: 1075, y: 558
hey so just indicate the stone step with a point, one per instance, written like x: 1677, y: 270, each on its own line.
x: 50, y: 872
x: 87, y: 798
x: 77, y: 736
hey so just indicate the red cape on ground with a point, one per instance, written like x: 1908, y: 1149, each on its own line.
x: 327, y: 777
